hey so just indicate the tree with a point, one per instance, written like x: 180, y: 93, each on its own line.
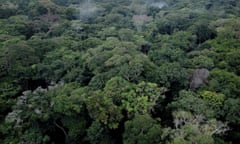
x: 125, y: 34
x: 7, y: 9
x: 171, y: 73
x: 142, y: 98
x: 203, y: 33
x: 61, y: 64
x: 115, y: 58
x: 133, y: 70
x: 232, y: 59
x: 44, y: 7
x: 224, y: 82
x: 18, y: 59
x: 115, y: 87
x: 230, y: 110
x: 101, y: 108
x: 192, y: 102
x: 164, y: 55
x: 76, y: 126
x: 65, y: 102
x: 117, y: 20
x: 183, y: 40
x: 71, y: 13
x: 202, y: 62
x: 136, y: 132
x: 215, y: 99
x: 194, y: 129
x: 98, y: 134
x: 30, y: 108
x: 42, y: 46
x: 140, y: 21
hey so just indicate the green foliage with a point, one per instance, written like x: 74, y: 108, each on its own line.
x: 61, y: 63
x: 97, y: 134
x: 125, y: 34
x: 7, y: 9
x: 169, y: 73
x: 194, y: 129
x: 225, y: 82
x: 202, y: 62
x: 102, y: 71
x: 42, y: 46
x: 29, y: 108
x: 33, y: 136
x: 102, y: 108
x: 142, y: 98
x: 165, y: 55
x: 214, y: 98
x: 70, y: 13
x: 231, y: 110
x: 17, y: 59
x: 76, y: 126
x: 203, y: 33
x: 115, y: 88
x: 65, y: 102
x: 190, y: 101
x: 142, y: 129
x: 233, y: 62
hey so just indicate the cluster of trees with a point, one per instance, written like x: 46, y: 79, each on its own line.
x: 126, y: 71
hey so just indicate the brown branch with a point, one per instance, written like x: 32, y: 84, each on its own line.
x: 61, y: 128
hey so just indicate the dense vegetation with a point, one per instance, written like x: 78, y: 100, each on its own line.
x: 123, y: 71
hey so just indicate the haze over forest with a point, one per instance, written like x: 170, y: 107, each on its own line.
x: 119, y: 72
